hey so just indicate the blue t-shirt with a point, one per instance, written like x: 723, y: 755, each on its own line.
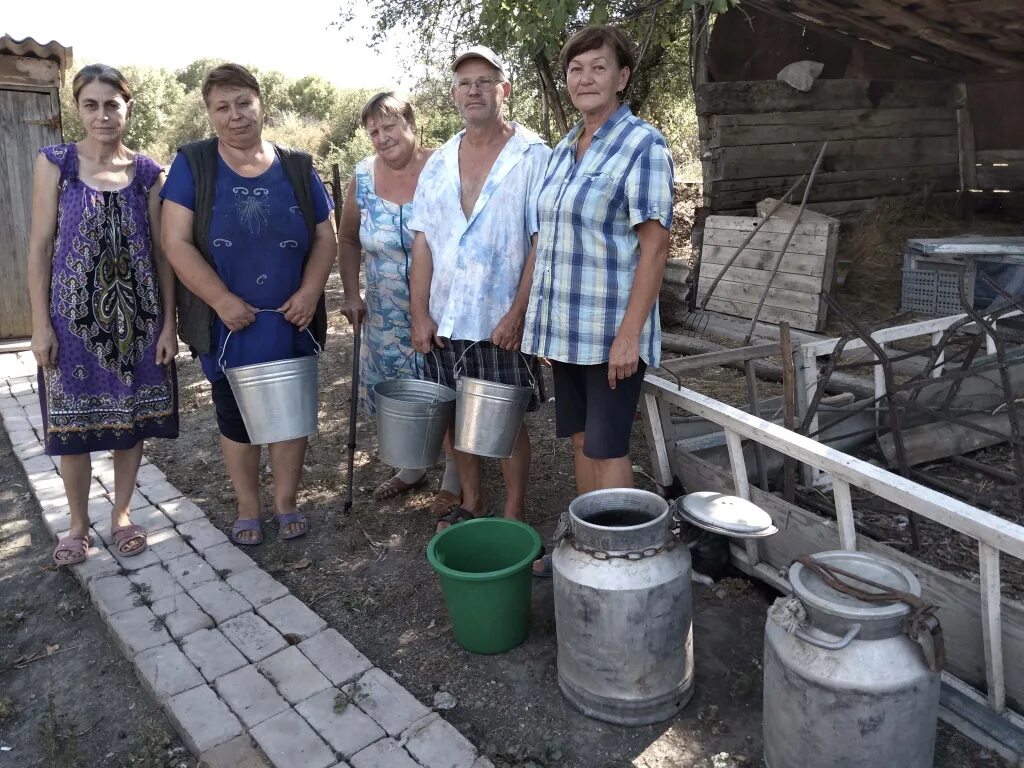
x: 259, y: 242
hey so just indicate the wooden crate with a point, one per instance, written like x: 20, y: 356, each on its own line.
x: 807, y: 268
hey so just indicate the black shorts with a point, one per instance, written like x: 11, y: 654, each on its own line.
x: 484, y: 360
x: 229, y: 418
x: 585, y: 403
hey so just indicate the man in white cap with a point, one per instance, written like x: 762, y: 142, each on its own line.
x: 475, y: 224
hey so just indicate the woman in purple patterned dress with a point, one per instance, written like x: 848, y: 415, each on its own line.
x: 102, y: 293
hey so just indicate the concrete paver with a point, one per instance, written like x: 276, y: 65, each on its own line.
x: 228, y: 559
x: 98, y: 564
x: 181, y: 510
x: 383, y: 699
x: 240, y: 752
x: 113, y: 594
x: 211, y: 653
x: 435, y: 743
x: 219, y: 600
x: 168, y: 545
x: 253, y: 636
x: 292, y: 618
x: 136, y: 630
x: 289, y: 742
x: 293, y: 675
x: 154, y: 583
x: 201, y: 534
x: 257, y: 586
x: 250, y: 695
x: 386, y: 753
x: 335, y: 656
x: 160, y: 492
x: 191, y: 570
x: 165, y: 671
x: 202, y: 719
x: 181, y: 615
x: 345, y: 727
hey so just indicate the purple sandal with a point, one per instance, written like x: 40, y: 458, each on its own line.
x: 247, y: 525
x: 291, y: 518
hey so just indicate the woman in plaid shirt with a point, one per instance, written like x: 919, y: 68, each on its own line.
x: 605, y: 209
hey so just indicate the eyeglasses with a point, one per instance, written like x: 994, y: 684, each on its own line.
x: 482, y: 84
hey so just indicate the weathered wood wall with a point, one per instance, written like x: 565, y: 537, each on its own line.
x: 886, y: 137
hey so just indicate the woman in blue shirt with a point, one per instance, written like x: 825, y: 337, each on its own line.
x: 263, y: 251
x: 604, y: 211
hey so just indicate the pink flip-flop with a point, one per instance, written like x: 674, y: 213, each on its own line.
x: 76, y: 547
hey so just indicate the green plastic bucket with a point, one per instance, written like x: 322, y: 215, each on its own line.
x: 485, y: 567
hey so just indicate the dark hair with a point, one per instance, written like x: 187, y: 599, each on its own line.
x: 229, y: 76
x: 387, y: 104
x: 103, y: 73
x: 592, y: 38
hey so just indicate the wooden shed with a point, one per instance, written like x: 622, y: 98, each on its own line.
x: 914, y: 95
x: 30, y: 79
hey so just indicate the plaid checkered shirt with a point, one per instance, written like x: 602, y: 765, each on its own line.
x: 587, y: 245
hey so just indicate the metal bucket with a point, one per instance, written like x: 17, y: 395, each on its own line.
x: 277, y: 400
x: 488, y: 415
x: 412, y: 417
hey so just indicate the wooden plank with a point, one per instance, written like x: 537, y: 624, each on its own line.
x: 28, y: 71
x: 844, y: 515
x: 830, y: 119
x: 811, y: 245
x: 805, y: 320
x: 992, y: 625
x: 651, y: 418
x: 788, y: 281
x: 773, y: 96
x: 761, y: 259
x: 20, y: 139
x: 759, y: 135
x: 702, y: 362
x: 802, y: 532
x: 873, y: 175
x: 938, y: 440
x: 989, y: 156
x: 890, y: 184
x: 965, y: 146
x: 747, y: 224
x: 1009, y: 177
x: 801, y: 301
x: 859, y: 154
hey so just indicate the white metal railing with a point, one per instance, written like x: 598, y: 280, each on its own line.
x: 993, y: 534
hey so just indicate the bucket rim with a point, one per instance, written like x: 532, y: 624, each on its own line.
x: 442, y: 389
x: 301, y: 360
x: 444, y: 570
x: 496, y: 384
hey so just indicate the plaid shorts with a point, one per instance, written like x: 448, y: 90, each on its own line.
x: 484, y: 360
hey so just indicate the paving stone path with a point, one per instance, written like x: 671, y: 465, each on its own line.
x: 248, y: 674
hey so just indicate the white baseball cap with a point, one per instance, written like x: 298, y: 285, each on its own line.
x: 479, y: 52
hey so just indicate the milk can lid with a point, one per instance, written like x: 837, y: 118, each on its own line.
x: 728, y: 515
x: 816, y: 595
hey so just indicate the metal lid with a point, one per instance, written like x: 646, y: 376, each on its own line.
x: 725, y: 514
x: 818, y: 598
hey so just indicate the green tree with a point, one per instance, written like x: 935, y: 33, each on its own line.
x: 312, y: 97
x: 157, y: 94
x: 191, y: 76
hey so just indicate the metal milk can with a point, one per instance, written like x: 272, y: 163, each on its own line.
x: 623, y: 608
x: 851, y: 667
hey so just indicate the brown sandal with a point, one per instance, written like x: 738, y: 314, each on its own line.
x: 125, y: 535
x: 443, y: 503
x: 76, y: 547
x: 389, y: 489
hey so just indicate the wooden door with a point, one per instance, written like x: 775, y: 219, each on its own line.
x: 28, y: 120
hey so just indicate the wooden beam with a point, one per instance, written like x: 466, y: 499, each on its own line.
x: 992, y: 625
x: 710, y: 359
x: 838, y: 23
x: 945, y: 39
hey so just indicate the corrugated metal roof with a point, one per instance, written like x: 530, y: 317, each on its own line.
x: 53, y: 51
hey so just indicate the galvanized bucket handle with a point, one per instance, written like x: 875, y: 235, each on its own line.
x: 458, y: 365
x: 224, y: 349
x: 836, y: 644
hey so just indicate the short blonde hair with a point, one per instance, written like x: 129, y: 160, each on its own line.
x: 387, y: 104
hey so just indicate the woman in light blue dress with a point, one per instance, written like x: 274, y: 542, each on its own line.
x: 375, y: 229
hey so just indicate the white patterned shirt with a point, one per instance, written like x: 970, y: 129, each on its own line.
x: 478, y: 262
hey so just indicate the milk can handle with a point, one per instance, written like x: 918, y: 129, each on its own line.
x: 458, y: 365
x: 220, y: 360
x: 829, y: 645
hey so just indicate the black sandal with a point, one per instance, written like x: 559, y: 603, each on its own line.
x: 456, y: 515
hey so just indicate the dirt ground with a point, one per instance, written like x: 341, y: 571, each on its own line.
x: 68, y: 698
x: 367, y: 575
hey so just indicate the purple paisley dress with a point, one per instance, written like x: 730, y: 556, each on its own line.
x: 106, y: 391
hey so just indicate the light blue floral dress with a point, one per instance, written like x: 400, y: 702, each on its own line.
x: 387, y: 351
